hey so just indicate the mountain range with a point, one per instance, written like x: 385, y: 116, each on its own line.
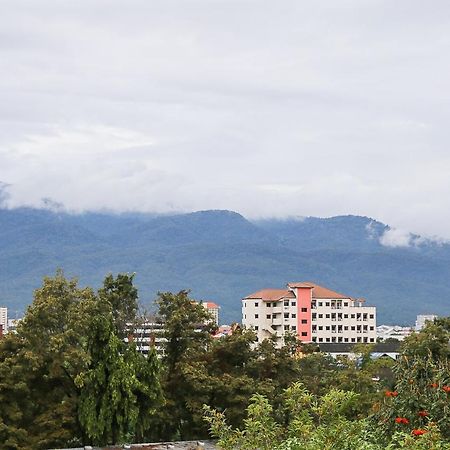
x: 222, y: 256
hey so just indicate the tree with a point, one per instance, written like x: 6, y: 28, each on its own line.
x: 187, y: 333
x: 122, y: 296
x: 39, y: 364
x: 118, y: 390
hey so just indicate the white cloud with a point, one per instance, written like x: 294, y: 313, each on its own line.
x: 394, y: 237
x: 267, y: 108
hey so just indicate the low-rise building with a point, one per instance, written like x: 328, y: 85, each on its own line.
x: 397, y: 332
x: 312, y: 312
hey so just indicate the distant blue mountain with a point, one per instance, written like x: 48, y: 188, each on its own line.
x: 222, y: 256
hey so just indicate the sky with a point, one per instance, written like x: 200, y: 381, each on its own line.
x: 282, y: 108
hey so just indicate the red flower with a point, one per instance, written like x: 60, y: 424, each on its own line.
x: 434, y: 385
x: 418, y: 432
x: 423, y: 413
x: 446, y: 389
x: 391, y: 393
x: 401, y: 420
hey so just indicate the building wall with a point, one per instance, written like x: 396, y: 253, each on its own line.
x: 4, y: 319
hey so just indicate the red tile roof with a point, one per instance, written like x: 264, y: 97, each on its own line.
x: 211, y: 305
x: 319, y: 291
x: 271, y: 294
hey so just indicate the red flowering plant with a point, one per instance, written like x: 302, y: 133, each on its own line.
x: 422, y: 385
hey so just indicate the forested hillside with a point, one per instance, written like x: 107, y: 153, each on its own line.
x: 222, y: 256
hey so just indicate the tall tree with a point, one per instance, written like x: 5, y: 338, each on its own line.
x: 122, y: 295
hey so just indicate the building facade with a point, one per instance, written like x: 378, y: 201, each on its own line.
x: 213, y: 309
x: 4, y: 319
x: 312, y: 312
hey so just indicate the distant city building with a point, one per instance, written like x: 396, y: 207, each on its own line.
x: 393, y: 332
x: 213, y: 309
x: 423, y: 319
x: 312, y: 312
x: 151, y: 332
x: 12, y: 325
x: 4, y: 319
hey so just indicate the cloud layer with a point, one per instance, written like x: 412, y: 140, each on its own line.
x: 268, y: 108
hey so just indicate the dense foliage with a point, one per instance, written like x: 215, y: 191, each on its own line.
x: 72, y: 375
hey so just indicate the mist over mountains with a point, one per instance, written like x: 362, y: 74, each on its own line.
x: 222, y: 256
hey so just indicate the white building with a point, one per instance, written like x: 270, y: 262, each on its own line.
x: 314, y: 313
x: 4, y: 320
x: 421, y: 320
x: 213, y: 309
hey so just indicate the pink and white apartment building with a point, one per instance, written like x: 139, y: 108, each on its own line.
x: 314, y: 313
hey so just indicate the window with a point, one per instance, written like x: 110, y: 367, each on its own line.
x: 353, y: 316
x: 256, y: 304
x: 346, y: 327
x: 353, y: 328
x: 328, y: 339
x: 286, y: 303
x: 256, y: 316
x: 327, y: 328
x: 286, y: 327
x: 268, y: 305
x: 245, y: 304
x: 314, y: 328
x: 327, y: 316
x: 372, y: 328
x: 320, y: 327
x: 333, y: 339
x: 320, y: 316
x: 304, y: 333
x: 371, y: 316
x: 345, y: 303
x: 274, y: 316
x: 268, y: 316
x: 320, y: 339
x: 304, y: 309
x: 293, y: 316
x: 353, y: 340
x: 304, y: 321
x: 286, y: 315
x: 293, y: 303
x: 327, y: 303
x: 314, y: 339
x: 293, y: 328
x: 345, y: 339
x: 256, y: 328
x: 320, y: 303
x: 372, y: 340
x: 345, y: 316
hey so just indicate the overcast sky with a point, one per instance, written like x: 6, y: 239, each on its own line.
x: 269, y: 108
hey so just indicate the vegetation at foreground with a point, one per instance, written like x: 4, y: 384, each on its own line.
x: 70, y: 377
x: 67, y: 377
x: 413, y: 414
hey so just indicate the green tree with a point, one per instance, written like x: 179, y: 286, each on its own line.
x: 39, y: 364
x: 122, y: 296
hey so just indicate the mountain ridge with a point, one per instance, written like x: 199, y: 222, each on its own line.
x: 223, y: 256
